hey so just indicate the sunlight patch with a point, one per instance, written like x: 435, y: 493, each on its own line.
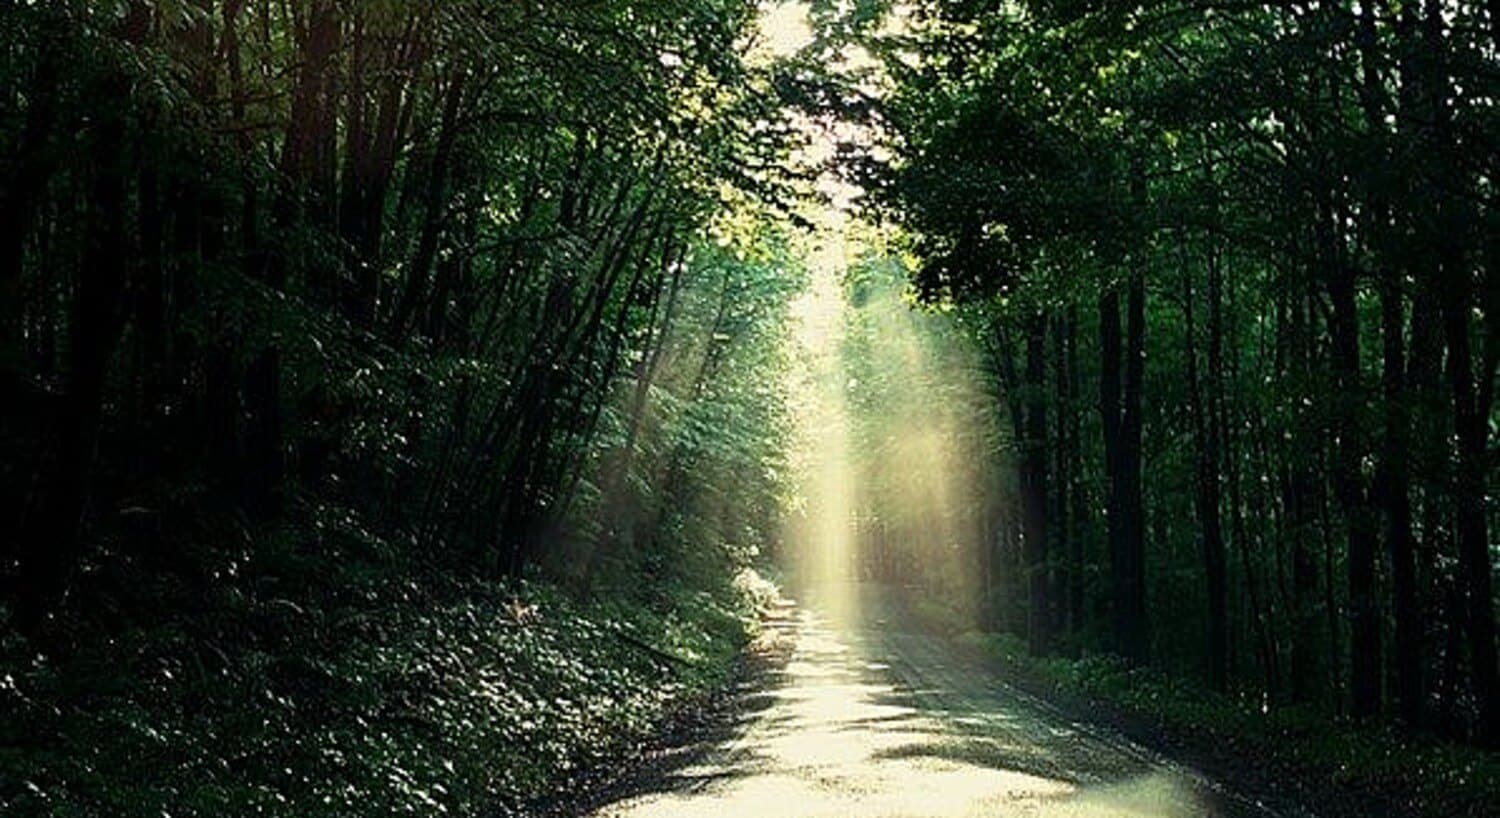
x: 784, y: 28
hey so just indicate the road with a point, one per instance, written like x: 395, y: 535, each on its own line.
x: 870, y: 718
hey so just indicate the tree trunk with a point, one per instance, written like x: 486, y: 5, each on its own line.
x: 1207, y: 503
x: 1034, y: 485
x: 51, y: 542
x: 1077, y: 555
x: 1395, y: 496
x: 1297, y: 489
x: 1474, y: 561
x: 1349, y: 484
x: 1132, y: 504
x: 1469, y: 400
x: 1120, y: 408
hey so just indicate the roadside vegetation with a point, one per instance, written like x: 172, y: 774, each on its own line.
x: 399, y: 396
x: 1339, y: 767
x: 1232, y: 272
x: 393, y: 395
x: 404, y: 699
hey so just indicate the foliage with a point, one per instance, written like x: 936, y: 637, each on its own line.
x: 1421, y: 776
x: 401, y: 698
x: 1234, y: 267
x: 336, y: 329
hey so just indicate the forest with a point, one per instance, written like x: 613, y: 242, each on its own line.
x: 1235, y: 270
x: 443, y: 406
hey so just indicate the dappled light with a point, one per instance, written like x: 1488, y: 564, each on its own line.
x: 860, y: 721
x: 783, y: 28
x: 749, y: 409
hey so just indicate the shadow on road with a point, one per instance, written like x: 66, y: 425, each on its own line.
x: 869, y: 718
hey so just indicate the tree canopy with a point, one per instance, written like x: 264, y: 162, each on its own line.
x: 1260, y: 239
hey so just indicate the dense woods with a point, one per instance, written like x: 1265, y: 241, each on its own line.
x: 317, y: 310
x: 438, y: 266
x: 401, y: 396
x: 1235, y: 268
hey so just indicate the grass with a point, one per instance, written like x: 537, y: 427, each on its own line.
x: 1418, y: 775
x: 365, y: 695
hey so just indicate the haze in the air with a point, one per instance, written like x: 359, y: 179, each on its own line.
x: 741, y: 408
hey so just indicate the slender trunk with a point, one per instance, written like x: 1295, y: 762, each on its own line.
x: 1239, y: 459
x: 1210, y: 530
x: 1034, y: 485
x: 1132, y: 504
x: 1297, y: 489
x: 1393, y: 490
x: 1110, y: 339
x: 1077, y: 555
x: 435, y: 205
x: 1349, y: 484
x: 1395, y: 495
x: 150, y: 296
x: 1062, y: 520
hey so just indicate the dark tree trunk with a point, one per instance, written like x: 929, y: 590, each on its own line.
x: 1120, y: 411
x: 1298, y: 486
x: 1474, y: 561
x: 150, y: 295
x: 1237, y: 460
x: 1077, y: 555
x: 1206, y: 498
x: 1470, y: 398
x: 304, y: 166
x: 51, y: 541
x: 1393, y: 491
x: 1395, y: 496
x: 1348, y: 482
x: 1132, y: 504
x: 1034, y: 486
x: 434, y: 207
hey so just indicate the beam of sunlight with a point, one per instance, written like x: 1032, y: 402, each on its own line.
x: 822, y: 536
x: 925, y: 432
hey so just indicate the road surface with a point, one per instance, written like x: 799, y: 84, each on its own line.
x: 869, y: 718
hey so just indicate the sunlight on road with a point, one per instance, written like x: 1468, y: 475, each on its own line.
x: 869, y: 718
x: 841, y: 732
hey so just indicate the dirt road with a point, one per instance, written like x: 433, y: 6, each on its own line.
x: 870, y: 718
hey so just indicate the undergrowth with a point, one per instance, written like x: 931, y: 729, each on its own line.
x: 1417, y: 774
x: 364, y: 693
x: 1422, y: 776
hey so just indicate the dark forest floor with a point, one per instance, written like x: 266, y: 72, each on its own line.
x: 356, y: 694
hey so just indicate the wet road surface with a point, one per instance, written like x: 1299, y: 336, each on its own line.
x: 870, y: 718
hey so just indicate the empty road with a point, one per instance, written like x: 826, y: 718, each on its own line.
x: 870, y: 718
